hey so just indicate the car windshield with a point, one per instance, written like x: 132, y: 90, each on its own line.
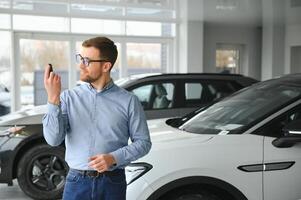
x: 237, y: 112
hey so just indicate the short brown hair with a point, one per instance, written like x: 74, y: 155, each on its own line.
x: 106, y: 47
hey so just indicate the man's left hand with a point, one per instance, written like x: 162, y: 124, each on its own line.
x: 102, y: 162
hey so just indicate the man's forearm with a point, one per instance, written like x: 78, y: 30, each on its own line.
x: 132, y: 152
x: 53, y: 125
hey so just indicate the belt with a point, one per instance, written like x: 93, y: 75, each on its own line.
x: 93, y: 173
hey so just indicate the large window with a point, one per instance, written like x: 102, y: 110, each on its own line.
x: 117, y: 17
x: 228, y: 59
x: 34, y: 55
x: 5, y: 73
x: 143, y: 31
x: 143, y: 58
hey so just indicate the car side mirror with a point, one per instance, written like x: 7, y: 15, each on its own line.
x: 174, y: 122
x: 292, y: 135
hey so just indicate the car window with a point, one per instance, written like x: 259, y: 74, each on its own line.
x: 238, y: 112
x: 193, y: 90
x: 274, y: 128
x: 156, y: 95
x: 144, y: 93
x: 200, y: 93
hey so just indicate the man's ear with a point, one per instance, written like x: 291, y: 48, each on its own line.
x: 107, y: 66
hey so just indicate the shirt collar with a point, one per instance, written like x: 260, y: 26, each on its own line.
x: 109, y: 85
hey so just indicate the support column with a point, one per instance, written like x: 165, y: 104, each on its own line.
x: 190, y: 36
x: 273, y: 39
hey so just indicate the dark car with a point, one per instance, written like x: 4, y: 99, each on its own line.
x: 4, y: 100
x: 41, y: 169
x: 171, y: 95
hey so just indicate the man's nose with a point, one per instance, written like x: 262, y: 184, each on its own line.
x: 81, y: 65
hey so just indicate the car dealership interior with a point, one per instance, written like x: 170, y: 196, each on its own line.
x: 218, y: 81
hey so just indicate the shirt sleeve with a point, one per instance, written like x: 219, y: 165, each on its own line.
x: 55, y: 123
x: 139, y: 135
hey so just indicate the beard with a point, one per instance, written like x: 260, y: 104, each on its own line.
x: 89, y: 79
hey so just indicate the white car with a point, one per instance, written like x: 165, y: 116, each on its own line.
x: 247, y: 146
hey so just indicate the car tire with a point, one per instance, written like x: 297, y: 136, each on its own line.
x: 191, y: 194
x: 42, y: 171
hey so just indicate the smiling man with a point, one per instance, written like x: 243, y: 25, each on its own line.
x: 95, y: 119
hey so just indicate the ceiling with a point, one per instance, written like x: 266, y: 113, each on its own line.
x: 237, y: 12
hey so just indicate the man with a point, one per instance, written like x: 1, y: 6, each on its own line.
x: 95, y: 119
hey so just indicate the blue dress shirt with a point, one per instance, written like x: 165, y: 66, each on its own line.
x: 94, y: 123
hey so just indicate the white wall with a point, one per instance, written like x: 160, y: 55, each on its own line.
x: 295, y: 59
x: 273, y: 38
x: 292, y: 39
x: 249, y: 37
x: 267, y: 49
x: 292, y: 36
x: 195, y: 44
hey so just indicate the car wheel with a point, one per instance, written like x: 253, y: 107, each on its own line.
x: 191, y: 194
x: 42, y: 171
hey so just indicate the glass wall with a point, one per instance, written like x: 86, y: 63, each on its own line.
x: 34, y: 55
x: 144, y: 58
x: 152, y: 23
x: 5, y: 72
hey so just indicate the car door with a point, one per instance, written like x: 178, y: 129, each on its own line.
x: 282, y: 166
x: 158, y: 98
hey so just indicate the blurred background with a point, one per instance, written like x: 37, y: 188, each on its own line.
x: 257, y: 38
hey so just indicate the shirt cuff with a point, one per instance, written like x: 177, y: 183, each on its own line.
x: 53, y: 109
x: 119, y: 158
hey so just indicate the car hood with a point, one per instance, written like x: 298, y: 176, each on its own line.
x: 24, y: 117
x: 162, y: 133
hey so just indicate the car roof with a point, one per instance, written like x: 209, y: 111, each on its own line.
x: 293, y: 79
x: 156, y: 76
x: 134, y: 79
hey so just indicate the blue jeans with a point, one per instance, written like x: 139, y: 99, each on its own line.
x: 103, y: 187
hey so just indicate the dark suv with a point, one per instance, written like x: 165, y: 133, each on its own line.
x: 170, y: 95
x: 41, y: 169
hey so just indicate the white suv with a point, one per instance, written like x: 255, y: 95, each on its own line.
x: 247, y: 146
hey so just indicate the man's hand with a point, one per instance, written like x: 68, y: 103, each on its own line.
x: 102, y: 162
x: 52, y: 83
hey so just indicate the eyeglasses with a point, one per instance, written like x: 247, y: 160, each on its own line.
x: 86, y: 61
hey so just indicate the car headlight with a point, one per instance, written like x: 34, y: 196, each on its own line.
x: 5, y: 137
x: 134, y: 171
x: 10, y: 131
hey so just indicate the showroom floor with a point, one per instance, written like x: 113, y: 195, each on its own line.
x: 12, y: 193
